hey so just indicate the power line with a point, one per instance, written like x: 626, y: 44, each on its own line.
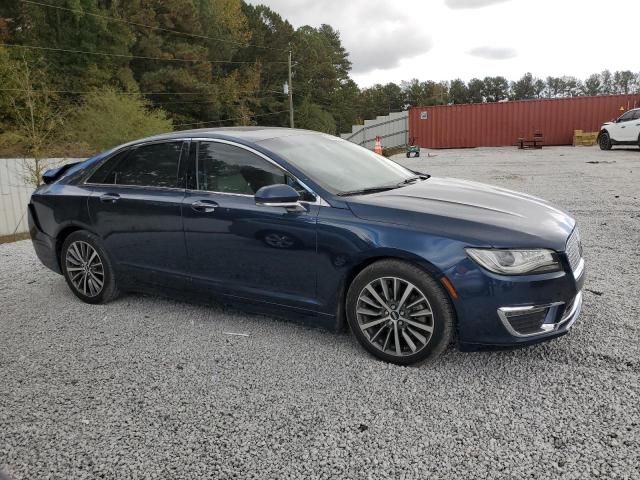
x: 141, y: 57
x: 211, y: 101
x: 177, y: 32
x: 90, y: 92
x: 230, y: 119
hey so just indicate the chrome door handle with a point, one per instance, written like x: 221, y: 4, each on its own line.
x: 206, y: 206
x: 109, y: 198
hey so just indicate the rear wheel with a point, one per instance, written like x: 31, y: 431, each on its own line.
x: 87, y: 268
x: 399, y: 313
x: 604, y: 141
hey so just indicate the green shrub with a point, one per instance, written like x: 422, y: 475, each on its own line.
x: 108, y: 118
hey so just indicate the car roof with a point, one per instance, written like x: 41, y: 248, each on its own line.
x: 249, y: 134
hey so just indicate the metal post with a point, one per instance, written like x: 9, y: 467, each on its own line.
x: 290, y: 93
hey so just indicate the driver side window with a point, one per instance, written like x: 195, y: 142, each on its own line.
x: 224, y: 168
x: 625, y: 117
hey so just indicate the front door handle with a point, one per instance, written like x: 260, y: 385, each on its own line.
x: 109, y: 198
x: 205, y: 206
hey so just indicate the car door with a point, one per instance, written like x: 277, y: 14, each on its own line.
x: 623, y: 128
x: 634, y: 127
x: 136, y: 208
x: 264, y: 253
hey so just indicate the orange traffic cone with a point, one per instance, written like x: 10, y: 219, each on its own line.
x: 378, y: 147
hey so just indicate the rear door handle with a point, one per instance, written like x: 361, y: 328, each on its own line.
x: 205, y: 206
x: 109, y: 198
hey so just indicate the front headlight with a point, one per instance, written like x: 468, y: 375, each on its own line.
x: 516, y: 262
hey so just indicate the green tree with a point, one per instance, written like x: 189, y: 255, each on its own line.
x: 476, y: 88
x: 458, y: 92
x: 73, y: 30
x: 527, y: 87
x: 108, y: 118
x: 33, y: 110
x: 607, y: 82
x: 624, y: 81
x: 592, y: 85
x: 313, y: 117
x: 495, y: 89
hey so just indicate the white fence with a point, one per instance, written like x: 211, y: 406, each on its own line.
x: 15, y: 192
x: 393, y: 129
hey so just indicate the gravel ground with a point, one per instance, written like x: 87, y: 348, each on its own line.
x: 152, y: 388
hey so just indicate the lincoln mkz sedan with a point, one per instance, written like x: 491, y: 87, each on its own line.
x: 297, y: 222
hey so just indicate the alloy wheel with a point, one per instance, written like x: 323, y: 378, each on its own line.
x: 84, y: 268
x: 395, y: 316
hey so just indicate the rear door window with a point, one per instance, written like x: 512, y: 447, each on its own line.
x: 153, y: 165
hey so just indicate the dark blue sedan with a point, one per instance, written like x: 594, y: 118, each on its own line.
x: 298, y: 222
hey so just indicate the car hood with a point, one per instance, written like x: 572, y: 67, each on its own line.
x: 479, y: 214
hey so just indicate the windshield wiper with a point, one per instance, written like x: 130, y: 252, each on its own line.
x: 383, y: 188
x: 364, y: 191
x: 412, y: 179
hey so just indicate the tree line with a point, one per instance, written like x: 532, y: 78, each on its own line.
x: 96, y: 73
x: 380, y: 99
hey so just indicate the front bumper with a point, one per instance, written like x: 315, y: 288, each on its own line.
x: 489, y: 304
x: 539, y: 320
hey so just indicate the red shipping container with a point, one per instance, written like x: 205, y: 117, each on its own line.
x: 501, y: 124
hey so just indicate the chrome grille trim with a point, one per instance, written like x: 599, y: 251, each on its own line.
x: 573, y: 250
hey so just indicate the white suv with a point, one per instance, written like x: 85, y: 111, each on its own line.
x: 625, y: 130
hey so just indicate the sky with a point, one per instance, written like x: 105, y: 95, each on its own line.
x: 395, y: 40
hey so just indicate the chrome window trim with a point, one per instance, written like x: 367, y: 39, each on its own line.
x: 318, y: 199
x: 131, y: 148
x: 139, y: 187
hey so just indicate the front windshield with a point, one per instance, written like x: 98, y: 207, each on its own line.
x: 337, y: 165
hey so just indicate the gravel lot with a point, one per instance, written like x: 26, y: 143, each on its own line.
x: 152, y: 388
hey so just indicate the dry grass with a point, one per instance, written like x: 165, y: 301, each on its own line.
x: 14, y: 238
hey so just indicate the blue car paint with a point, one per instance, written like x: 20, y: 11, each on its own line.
x: 302, y: 262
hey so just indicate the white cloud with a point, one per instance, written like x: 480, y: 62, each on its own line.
x: 459, y: 4
x: 376, y: 33
x: 493, y: 53
x: 445, y: 39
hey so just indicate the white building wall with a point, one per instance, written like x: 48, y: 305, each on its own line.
x: 15, y: 193
x: 393, y: 130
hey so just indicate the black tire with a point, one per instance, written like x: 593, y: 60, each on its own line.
x: 79, y: 242
x: 417, y: 154
x: 408, y: 155
x: 442, y: 318
x: 604, y: 141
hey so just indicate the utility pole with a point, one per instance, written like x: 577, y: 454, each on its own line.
x: 290, y: 92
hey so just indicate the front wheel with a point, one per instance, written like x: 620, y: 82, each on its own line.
x: 87, y: 268
x: 399, y: 313
x: 604, y: 141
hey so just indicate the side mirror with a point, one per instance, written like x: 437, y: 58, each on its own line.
x: 278, y: 196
